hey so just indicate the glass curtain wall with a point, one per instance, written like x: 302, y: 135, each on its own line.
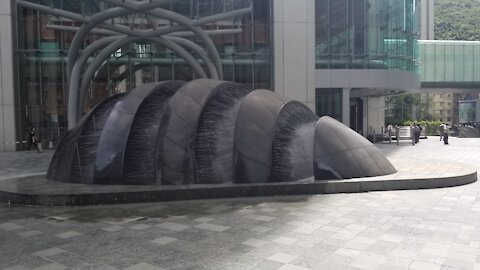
x: 367, y: 34
x: 450, y: 62
x: 41, y: 57
x: 329, y: 102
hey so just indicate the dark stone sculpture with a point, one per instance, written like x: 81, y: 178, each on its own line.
x: 209, y: 132
x: 341, y: 153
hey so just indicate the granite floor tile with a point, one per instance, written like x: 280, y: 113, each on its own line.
x: 10, y: 226
x: 282, y: 257
x: 173, y: 226
x: 68, y: 234
x: 414, y: 229
x: 212, y: 227
x: 164, y: 240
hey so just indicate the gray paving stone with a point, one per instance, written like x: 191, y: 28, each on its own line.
x: 282, y: 257
x: 49, y: 252
x: 16, y: 267
x: 140, y: 227
x: 143, y: 266
x: 212, y: 227
x: 68, y: 234
x: 112, y: 228
x: 255, y: 242
x: 10, y: 226
x: 173, y: 226
x: 164, y: 240
x: 29, y: 233
x: 416, y: 229
x: 53, y: 266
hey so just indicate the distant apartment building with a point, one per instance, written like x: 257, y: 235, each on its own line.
x: 440, y: 106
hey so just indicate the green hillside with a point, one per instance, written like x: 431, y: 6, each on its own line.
x: 457, y: 19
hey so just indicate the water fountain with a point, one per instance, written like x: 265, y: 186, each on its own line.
x: 209, y: 132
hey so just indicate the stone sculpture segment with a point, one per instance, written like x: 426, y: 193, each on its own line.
x: 292, y: 146
x: 140, y: 162
x: 341, y: 153
x: 74, y: 157
x: 179, y: 129
x: 214, y: 145
x: 254, y: 134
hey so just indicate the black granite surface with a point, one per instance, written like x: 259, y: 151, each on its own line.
x: 37, y: 190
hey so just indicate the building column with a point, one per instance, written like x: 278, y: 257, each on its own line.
x: 365, y: 116
x: 7, y: 97
x: 294, y: 50
x: 346, y: 106
x: 427, y: 20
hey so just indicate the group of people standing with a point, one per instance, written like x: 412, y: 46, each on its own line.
x: 443, y: 130
x: 417, y: 130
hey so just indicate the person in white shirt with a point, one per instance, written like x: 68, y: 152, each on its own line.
x: 442, y: 128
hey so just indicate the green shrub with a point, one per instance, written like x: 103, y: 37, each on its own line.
x: 432, y: 127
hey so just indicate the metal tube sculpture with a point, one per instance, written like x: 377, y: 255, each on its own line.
x: 77, y: 92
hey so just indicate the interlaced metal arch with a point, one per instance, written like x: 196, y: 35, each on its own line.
x: 116, y: 36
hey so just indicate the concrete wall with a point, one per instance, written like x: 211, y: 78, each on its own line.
x: 366, y: 78
x: 373, y: 115
x: 294, y: 50
x: 7, y: 99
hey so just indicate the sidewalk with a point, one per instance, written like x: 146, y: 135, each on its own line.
x: 23, y: 163
x: 411, y: 229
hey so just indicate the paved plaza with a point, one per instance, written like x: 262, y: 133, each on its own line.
x: 414, y: 229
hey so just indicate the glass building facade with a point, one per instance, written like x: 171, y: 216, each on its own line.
x: 41, y: 53
x: 367, y: 34
x: 363, y: 34
x: 445, y: 63
x: 348, y: 35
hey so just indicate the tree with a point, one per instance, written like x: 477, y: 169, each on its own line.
x: 457, y: 20
x: 406, y: 107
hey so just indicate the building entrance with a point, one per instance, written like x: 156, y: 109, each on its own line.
x: 356, y: 114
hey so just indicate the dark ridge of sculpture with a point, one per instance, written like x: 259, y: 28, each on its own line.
x: 180, y: 126
x: 209, y: 132
x: 140, y: 163
x: 214, y: 144
x: 341, y: 153
x: 293, y: 143
x: 265, y: 119
x: 73, y: 160
x: 113, y: 142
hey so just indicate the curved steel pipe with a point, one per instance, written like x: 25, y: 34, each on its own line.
x: 185, y: 22
x: 99, y: 18
x: 73, y: 95
x: 97, y: 62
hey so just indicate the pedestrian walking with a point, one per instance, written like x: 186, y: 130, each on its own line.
x: 445, y: 135
x: 441, y: 130
x: 418, y: 129
x: 32, y: 140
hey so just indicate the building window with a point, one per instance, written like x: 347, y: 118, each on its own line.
x: 247, y: 57
x: 329, y: 102
x: 365, y: 34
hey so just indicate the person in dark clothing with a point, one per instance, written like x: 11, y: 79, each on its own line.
x: 32, y: 140
x: 445, y: 137
x: 418, y: 129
